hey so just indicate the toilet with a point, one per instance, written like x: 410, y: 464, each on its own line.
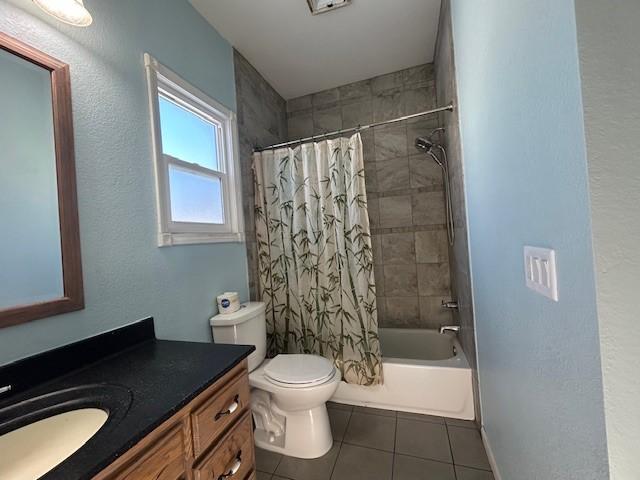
x: 288, y: 393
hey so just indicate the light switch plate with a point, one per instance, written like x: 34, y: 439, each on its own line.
x: 540, y: 271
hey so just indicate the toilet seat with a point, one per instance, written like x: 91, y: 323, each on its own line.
x: 299, y: 370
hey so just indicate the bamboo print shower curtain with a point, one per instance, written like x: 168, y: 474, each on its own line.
x: 314, y: 254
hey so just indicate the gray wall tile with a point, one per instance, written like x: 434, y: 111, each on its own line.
x: 424, y: 171
x: 428, y: 208
x: 397, y: 177
x: 402, y: 312
x: 370, y: 177
x: 432, y: 315
x: 373, y: 209
x: 326, y: 97
x: 300, y: 125
x: 432, y: 246
x: 393, y: 174
x: 327, y: 119
x: 368, y: 146
x: 388, y: 105
x: 433, y: 279
x: 396, y: 211
x: 382, y: 307
x: 387, y: 82
x: 357, y: 90
x: 378, y: 271
x: 420, y: 128
x: 446, y: 91
x: 300, y: 103
x: 418, y: 99
x: 398, y: 249
x: 390, y: 142
x: 357, y: 113
x: 376, y: 246
x: 400, y: 280
x: 418, y: 74
x: 262, y: 120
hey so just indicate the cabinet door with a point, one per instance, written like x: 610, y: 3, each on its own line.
x: 233, y: 458
x: 164, y: 460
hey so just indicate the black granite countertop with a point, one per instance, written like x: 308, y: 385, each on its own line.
x: 161, y: 377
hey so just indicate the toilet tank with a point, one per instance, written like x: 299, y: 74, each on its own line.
x: 247, y: 326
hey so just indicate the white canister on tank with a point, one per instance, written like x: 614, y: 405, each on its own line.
x: 228, y: 302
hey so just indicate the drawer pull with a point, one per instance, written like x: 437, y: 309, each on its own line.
x: 237, y: 463
x: 230, y: 409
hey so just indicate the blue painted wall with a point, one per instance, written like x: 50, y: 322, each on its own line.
x: 30, y: 256
x: 526, y: 183
x: 126, y: 275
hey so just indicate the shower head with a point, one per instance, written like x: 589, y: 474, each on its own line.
x: 424, y: 144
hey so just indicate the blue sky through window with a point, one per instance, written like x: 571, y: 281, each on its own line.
x: 187, y: 136
x: 195, y: 198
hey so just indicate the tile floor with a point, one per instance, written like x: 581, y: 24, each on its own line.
x: 372, y: 444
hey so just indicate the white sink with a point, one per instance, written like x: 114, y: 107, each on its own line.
x: 29, y: 452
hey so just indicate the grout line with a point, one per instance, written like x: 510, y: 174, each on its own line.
x: 333, y: 469
x: 336, y: 462
x: 399, y: 453
x: 411, y: 419
x: 373, y: 414
x: 393, y: 458
x: 277, y: 465
x: 478, y: 469
x: 451, y: 450
x: 463, y: 426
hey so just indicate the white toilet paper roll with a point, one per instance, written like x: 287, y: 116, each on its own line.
x: 228, y: 302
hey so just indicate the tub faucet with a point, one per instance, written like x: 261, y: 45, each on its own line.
x: 450, y: 328
x: 453, y: 305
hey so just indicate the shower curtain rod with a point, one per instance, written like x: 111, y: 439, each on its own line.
x: 448, y: 108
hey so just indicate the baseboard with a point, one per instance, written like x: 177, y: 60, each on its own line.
x: 492, y: 459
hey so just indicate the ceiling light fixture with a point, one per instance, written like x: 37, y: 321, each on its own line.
x: 323, y: 6
x: 67, y: 11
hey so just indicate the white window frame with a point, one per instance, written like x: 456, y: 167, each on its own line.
x: 161, y: 80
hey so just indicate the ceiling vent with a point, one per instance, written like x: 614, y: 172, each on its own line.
x: 323, y: 6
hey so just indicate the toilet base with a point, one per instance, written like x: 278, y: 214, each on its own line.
x: 307, y: 433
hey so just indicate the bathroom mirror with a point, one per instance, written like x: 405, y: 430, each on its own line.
x: 40, y: 265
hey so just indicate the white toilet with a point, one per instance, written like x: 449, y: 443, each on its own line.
x: 289, y: 392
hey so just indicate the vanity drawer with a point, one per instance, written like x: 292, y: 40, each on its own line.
x: 218, y: 413
x: 165, y: 460
x: 234, y: 455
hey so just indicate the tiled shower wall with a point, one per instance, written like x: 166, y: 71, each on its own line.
x: 404, y: 186
x: 262, y: 120
x: 459, y: 253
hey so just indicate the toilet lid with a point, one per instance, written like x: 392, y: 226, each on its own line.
x: 299, y: 370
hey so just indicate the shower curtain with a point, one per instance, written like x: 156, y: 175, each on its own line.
x: 314, y: 255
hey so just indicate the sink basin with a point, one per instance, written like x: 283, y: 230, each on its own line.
x: 40, y: 429
x: 34, y: 449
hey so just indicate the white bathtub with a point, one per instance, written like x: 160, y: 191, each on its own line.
x: 424, y: 372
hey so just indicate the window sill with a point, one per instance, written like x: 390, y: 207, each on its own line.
x: 171, y: 239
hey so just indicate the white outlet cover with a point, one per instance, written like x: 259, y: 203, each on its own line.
x: 540, y: 271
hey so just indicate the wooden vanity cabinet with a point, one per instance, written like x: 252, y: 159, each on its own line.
x: 211, y: 438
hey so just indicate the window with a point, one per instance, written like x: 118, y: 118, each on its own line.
x: 196, y: 162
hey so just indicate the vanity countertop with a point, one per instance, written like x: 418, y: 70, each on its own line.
x: 162, y: 376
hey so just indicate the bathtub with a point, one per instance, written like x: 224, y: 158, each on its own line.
x: 424, y: 372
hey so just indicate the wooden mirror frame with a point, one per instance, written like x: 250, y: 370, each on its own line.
x: 73, y: 297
